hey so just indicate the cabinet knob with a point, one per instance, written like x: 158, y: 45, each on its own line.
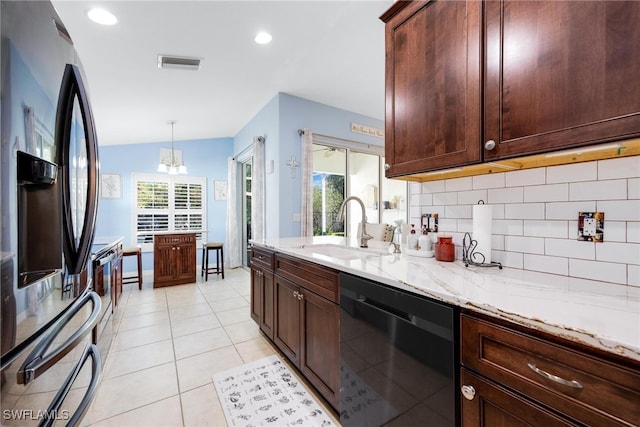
x: 387, y: 166
x: 173, y: 248
x: 468, y: 392
x: 300, y: 296
x: 490, y: 145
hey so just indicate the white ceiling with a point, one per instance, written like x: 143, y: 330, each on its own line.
x: 330, y: 52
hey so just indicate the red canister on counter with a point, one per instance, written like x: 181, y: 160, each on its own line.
x: 444, y: 249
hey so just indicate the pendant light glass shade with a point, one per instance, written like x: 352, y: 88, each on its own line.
x: 172, y: 167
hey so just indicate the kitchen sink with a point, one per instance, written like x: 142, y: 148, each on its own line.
x: 346, y: 252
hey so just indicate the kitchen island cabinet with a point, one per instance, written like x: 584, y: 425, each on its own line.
x: 296, y: 306
x: 174, y: 259
x: 472, y: 82
x: 262, y: 289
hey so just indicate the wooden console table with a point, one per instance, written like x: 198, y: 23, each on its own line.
x: 174, y: 259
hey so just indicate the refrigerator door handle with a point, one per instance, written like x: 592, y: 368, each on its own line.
x: 38, y: 361
x: 77, y: 248
x: 91, y: 350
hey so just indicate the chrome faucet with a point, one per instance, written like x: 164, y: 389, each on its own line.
x: 364, y: 238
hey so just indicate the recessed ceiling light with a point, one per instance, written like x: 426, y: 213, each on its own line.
x: 263, y: 38
x: 101, y: 16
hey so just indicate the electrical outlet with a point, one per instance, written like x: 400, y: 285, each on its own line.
x: 430, y: 221
x: 591, y: 226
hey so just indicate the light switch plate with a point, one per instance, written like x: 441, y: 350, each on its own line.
x: 591, y: 226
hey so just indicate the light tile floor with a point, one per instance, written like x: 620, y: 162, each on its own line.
x: 168, y: 343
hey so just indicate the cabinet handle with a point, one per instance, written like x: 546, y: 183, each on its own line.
x: 490, y: 145
x: 572, y: 383
x: 468, y: 392
x: 295, y: 294
x: 300, y: 296
x: 387, y: 166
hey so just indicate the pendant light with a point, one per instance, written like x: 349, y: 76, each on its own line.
x: 172, y: 167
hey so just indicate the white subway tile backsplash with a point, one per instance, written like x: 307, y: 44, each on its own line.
x: 496, y: 180
x: 633, y: 188
x: 535, y: 213
x: 547, y: 193
x: 604, y: 271
x: 447, y: 225
x: 633, y: 275
x: 426, y: 199
x: 587, y: 171
x: 445, y: 198
x: 557, y: 229
x: 508, y: 227
x: 497, y: 242
x: 458, y: 211
x: 524, y: 211
x: 620, y: 210
x: 570, y: 248
x: 525, y: 177
x: 628, y: 253
x: 624, y: 167
x: 633, y: 231
x: 465, y: 225
x: 433, y: 187
x: 529, y: 245
x: 508, y: 259
x: 546, y: 264
x: 506, y: 195
x: 569, y: 210
x: 615, y: 189
x: 459, y: 184
x: 615, y: 231
x: 415, y: 187
x: 472, y: 197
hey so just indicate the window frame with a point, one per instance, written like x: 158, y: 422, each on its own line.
x: 171, y: 211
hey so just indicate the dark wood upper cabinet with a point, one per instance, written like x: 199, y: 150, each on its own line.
x: 530, y: 76
x: 560, y: 74
x: 433, y: 66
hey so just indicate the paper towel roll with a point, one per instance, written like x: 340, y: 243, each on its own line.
x: 482, y: 219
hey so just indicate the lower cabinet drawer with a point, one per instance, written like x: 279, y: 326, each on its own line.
x: 316, y: 278
x: 586, y: 388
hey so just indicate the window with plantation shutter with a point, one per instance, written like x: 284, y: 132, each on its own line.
x: 167, y: 203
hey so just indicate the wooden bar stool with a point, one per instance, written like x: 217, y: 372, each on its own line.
x: 131, y: 251
x: 219, y: 268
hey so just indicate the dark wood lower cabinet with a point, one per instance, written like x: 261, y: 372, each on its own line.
x: 174, y: 259
x: 296, y: 306
x: 494, y: 406
x: 320, y: 355
x: 288, y: 319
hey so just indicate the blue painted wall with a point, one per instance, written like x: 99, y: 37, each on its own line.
x: 205, y: 157
x: 278, y: 122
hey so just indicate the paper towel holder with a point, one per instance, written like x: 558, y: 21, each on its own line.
x: 468, y: 254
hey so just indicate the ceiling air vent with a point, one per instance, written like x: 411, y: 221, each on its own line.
x: 178, y: 62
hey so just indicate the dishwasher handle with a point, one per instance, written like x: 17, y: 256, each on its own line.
x: 390, y: 311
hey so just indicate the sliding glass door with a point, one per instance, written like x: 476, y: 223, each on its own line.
x: 246, y: 212
x: 349, y: 170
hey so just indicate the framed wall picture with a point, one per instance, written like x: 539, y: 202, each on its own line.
x: 110, y: 186
x: 219, y: 190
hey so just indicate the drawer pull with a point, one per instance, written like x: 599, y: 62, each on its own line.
x: 572, y: 383
x: 468, y: 392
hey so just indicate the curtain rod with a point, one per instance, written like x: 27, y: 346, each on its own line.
x: 247, y: 148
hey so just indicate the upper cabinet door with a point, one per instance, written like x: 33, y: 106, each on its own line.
x: 560, y: 74
x: 433, y: 66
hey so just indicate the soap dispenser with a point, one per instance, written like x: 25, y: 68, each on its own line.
x: 412, y: 239
x: 424, y: 241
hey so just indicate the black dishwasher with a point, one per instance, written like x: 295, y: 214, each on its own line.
x: 398, y: 357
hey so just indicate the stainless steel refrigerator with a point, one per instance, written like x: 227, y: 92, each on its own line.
x: 50, y: 366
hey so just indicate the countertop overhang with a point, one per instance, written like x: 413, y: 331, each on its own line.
x: 598, y: 314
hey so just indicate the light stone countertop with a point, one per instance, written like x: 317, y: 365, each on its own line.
x: 598, y: 314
